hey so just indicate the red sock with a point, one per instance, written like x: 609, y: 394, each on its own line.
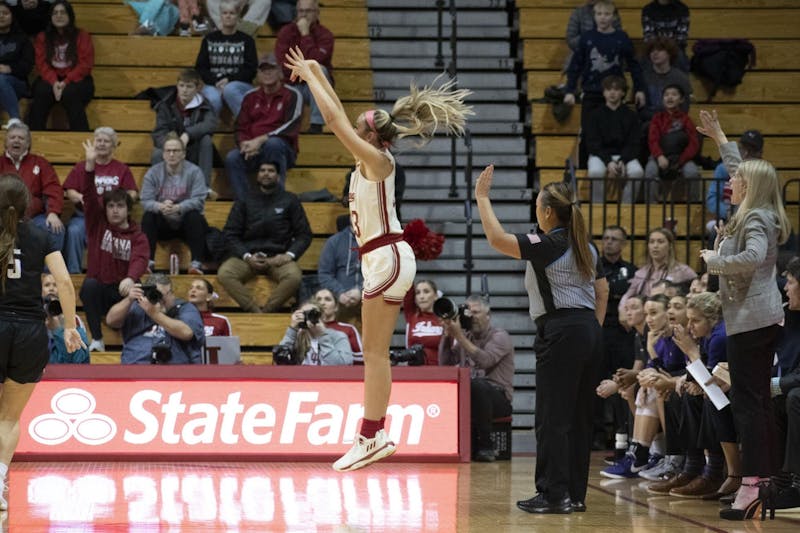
x: 370, y: 427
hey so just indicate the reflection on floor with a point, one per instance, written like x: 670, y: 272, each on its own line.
x: 143, y: 497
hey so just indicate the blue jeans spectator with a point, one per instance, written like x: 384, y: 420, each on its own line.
x: 11, y: 90
x: 275, y: 150
x: 56, y: 239
x: 75, y: 243
x: 233, y: 94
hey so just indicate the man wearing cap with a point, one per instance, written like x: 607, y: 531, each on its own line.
x: 266, y: 129
x: 718, y: 199
x: 316, y: 42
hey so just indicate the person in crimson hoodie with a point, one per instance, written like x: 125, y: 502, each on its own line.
x: 118, y: 250
x: 109, y: 174
x: 316, y: 42
x: 47, y: 196
x: 64, y: 59
x: 673, y: 143
x: 422, y: 326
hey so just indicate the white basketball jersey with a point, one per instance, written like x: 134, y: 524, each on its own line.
x: 372, y: 208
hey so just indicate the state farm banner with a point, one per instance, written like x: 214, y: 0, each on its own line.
x: 244, y: 419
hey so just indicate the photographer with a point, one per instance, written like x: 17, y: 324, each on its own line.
x: 311, y: 343
x: 157, y: 327
x: 54, y: 321
x: 471, y: 340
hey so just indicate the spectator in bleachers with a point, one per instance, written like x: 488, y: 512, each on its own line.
x: 661, y: 265
x: 16, y: 62
x: 31, y: 15
x: 186, y: 112
x: 601, y: 52
x: 488, y: 352
x: 282, y: 12
x: 267, y: 231
x: 266, y: 129
x: 173, y: 197
x: 118, y: 250
x: 311, y: 342
x: 673, y: 143
x: 108, y: 174
x: 156, y: 17
x: 699, y: 284
x: 47, y: 196
x: 254, y: 18
x: 227, y: 61
x: 339, y: 268
x: 64, y: 59
x: 316, y: 42
x: 612, y: 141
x: 201, y: 294
x: 670, y: 19
x: 581, y: 20
x: 189, y: 20
x: 423, y: 327
x: 157, y: 326
x: 328, y: 305
x: 659, y: 71
x: 54, y: 320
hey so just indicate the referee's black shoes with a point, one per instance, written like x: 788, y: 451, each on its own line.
x: 541, y: 505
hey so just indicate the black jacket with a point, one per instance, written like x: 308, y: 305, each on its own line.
x: 272, y: 223
x: 201, y: 120
x: 613, y: 132
x: 16, y: 51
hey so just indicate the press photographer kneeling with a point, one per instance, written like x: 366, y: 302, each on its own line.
x: 470, y: 340
x: 308, y: 342
x: 157, y: 327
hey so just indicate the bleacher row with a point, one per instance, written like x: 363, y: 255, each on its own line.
x: 767, y: 100
x: 126, y: 64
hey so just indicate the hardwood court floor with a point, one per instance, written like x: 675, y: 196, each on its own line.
x: 308, y: 497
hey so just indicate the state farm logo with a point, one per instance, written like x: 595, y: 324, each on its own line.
x: 73, y: 416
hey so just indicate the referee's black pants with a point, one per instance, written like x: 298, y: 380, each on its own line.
x: 568, y: 358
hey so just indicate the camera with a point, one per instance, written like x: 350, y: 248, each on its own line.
x: 161, y: 353
x: 283, y: 354
x: 312, y: 316
x: 414, y: 356
x: 446, y: 308
x: 152, y: 293
x: 52, y: 306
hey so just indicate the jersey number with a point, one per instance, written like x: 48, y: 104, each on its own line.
x: 354, y: 222
x: 14, y: 270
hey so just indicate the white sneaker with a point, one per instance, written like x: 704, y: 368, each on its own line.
x: 365, y: 451
x: 97, y: 345
x: 3, y: 501
x: 11, y: 122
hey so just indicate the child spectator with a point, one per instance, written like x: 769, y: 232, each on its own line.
x: 117, y: 248
x: 673, y: 143
x: 54, y: 320
x: 64, y: 59
x: 16, y: 62
x: 202, y: 295
x: 612, y: 141
x: 670, y: 19
x: 108, y: 174
x: 186, y: 112
x: 227, y: 61
x: 173, y: 197
x: 581, y: 20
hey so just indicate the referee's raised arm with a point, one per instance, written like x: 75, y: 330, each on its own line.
x: 505, y: 243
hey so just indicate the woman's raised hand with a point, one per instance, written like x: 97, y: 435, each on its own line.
x: 298, y: 64
x: 709, y: 126
x: 484, y: 182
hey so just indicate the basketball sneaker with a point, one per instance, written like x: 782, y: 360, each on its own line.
x: 365, y: 451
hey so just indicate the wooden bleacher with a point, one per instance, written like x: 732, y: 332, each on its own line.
x: 767, y: 99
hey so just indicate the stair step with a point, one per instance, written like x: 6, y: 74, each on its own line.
x: 480, y: 144
x: 432, y: 32
x: 471, y: 80
x: 410, y: 160
x: 417, y: 17
x: 505, y: 194
x: 427, y: 4
x: 419, y: 49
x: 500, y: 64
x: 440, y: 178
x: 491, y: 94
x: 437, y: 211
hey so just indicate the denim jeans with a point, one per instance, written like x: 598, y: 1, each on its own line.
x: 275, y: 150
x: 232, y: 94
x: 75, y: 243
x: 11, y: 90
x: 56, y: 239
x: 308, y: 98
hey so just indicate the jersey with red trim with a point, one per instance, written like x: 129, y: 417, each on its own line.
x: 372, y: 208
x: 352, y: 336
x: 425, y: 329
x: 215, y: 324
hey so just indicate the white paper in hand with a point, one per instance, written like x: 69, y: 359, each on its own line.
x: 700, y: 374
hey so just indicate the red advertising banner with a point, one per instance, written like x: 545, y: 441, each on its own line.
x: 260, y: 415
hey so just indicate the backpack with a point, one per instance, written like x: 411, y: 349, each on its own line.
x: 722, y: 61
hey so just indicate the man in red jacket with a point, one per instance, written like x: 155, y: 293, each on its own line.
x: 316, y: 42
x: 266, y: 129
x: 118, y: 250
x: 47, y: 196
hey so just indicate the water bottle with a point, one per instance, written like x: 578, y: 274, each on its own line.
x: 174, y: 264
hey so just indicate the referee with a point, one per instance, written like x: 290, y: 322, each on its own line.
x: 568, y: 295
